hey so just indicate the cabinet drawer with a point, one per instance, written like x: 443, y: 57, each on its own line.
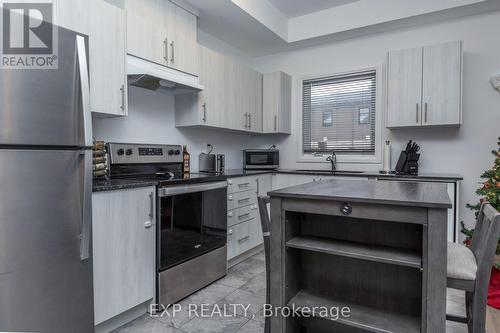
x: 242, y: 214
x: 243, y: 237
x: 240, y: 184
x: 241, y: 199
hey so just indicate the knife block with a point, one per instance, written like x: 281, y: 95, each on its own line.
x: 407, y: 163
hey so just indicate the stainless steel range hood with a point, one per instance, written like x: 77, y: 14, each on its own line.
x: 149, y: 75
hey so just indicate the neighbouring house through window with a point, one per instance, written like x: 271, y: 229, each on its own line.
x: 339, y: 114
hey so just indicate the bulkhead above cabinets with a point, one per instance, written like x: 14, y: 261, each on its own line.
x: 424, y: 86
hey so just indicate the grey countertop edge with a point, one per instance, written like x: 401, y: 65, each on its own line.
x: 361, y: 200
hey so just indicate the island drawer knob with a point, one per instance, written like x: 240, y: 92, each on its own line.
x: 346, y: 209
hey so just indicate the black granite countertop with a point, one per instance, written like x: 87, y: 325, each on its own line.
x: 118, y: 184
x: 100, y: 185
x: 369, y: 174
x: 124, y: 183
x: 415, y: 194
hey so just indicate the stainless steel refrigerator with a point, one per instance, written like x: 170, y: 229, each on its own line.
x: 45, y: 195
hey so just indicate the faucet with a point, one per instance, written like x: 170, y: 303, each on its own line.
x: 333, y: 159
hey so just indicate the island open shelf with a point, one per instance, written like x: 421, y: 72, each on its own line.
x: 366, y: 318
x: 386, y: 254
x: 378, y: 249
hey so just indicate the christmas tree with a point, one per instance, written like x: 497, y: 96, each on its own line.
x: 490, y: 191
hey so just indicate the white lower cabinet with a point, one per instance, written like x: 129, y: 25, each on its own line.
x: 243, y: 237
x: 244, y: 231
x: 123, y: 224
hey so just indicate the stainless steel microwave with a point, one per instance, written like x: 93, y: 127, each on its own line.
x: 259, y: 159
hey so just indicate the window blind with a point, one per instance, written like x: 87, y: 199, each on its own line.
x: 339, y: 114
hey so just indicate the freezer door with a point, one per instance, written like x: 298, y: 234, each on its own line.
x: 48, y: 107
x: 45, y: 278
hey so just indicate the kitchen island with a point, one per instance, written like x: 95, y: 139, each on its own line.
x: 376, y: 248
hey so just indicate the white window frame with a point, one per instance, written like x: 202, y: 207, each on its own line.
x: 379, y: 120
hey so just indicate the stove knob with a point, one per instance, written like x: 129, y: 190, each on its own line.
x: 171, y: 152
x: 129, y: 152
x: 120, y: 152
x: 177, y: 152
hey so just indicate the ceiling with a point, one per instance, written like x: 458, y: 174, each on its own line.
x: 227, y: 22
x: 262, y: 27
x: 294, y: 8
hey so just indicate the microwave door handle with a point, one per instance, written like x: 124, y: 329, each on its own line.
x: 83, y: 74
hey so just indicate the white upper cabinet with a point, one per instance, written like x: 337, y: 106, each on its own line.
x: 162, y: 32
x: 73, y: 15
x: 404, y: 102
x: 107, y: 59
x: 147, y: 30
x: 425, y: 86
x: 276, y: 111
x: 183, y: 42
x: 442, y: 84
x: 231, y: 99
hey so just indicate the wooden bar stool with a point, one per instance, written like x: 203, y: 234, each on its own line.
x: 470, y: 269
x: 263, y: 201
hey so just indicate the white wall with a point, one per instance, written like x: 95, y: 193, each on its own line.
x: 465, y: 150
x: 151, y: 120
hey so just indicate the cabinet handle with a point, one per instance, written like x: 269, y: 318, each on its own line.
x: 172, y: 46
x: 243, y: 200
x: 204, y: 105
x: 230, y: 197
x: 243, y: 184
x: 246, y: 119
x: 147, y: 224
x: 165, y: 49
x: 249, y: 121
x: 152, y: 205
x: 416, y: 113
x: 244, y: 239
x: 122, y: 91
x: 230, y: 214
x: 243, y: 216
x: 425, y: 112
x: 230, y: 232
x: 275, y: 122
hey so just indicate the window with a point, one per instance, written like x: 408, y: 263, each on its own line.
x: 364, y: 116
x: 349, y: 100
x: 327, y: 118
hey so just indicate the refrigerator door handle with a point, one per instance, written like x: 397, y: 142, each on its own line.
x: 86, y: 206
x: 83, y: 72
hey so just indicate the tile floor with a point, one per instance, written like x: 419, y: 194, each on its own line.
x: 245, y: 284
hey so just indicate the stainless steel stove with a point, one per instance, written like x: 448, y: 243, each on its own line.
x: 191, y: 222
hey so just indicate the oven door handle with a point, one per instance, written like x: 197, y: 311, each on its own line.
x: 183, y: 189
